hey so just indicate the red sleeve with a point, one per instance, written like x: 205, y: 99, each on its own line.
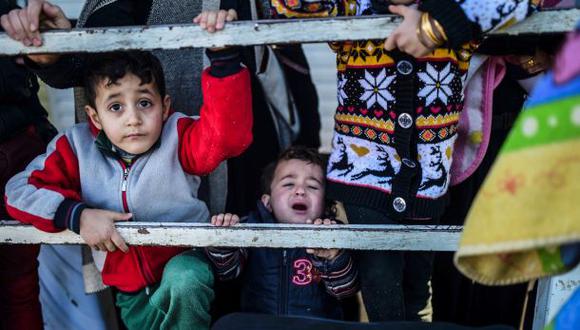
x: 224, y: 129
x: 34, y: 195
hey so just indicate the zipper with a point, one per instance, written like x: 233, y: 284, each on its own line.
x: 283, y: 301
x: 138, y: 252
x: 124, y: 186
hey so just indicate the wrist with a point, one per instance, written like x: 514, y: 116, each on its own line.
x: 224, y: 62
x: 429, y: 32
x: 68, y: 215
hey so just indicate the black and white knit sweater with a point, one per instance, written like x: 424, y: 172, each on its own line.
x: 397, y: 117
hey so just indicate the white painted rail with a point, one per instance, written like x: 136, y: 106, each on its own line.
x: 357, y: 237
x: 246, y: 33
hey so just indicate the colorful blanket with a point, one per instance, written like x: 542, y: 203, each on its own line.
x: 528, y: 208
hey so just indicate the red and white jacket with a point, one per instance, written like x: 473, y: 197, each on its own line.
x: 160, y: 186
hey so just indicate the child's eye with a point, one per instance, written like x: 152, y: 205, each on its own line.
x: 145, y: 103
x: 313, y: 187
x: 288, y: 184
x: 115, y: 107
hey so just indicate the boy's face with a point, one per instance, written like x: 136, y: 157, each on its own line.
x: 130, y: 113
x: 297, y: 192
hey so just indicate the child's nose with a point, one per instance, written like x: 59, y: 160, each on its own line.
x: 134, y: 117
x: 299, y: 190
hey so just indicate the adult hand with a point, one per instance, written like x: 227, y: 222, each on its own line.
x: 24, y: 25
x: 405, y: 35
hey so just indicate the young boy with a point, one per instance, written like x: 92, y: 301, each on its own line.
x: 136, y: 161
x: 304, y: 282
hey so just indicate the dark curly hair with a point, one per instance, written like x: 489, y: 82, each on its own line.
x: 113, y: 66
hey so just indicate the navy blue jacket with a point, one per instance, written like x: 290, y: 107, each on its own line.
x: 287, y: 281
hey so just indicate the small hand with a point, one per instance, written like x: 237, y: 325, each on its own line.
x: 225, y: 220
x: 328, y: 254
x: 99, y: 232
x: 215, y: 20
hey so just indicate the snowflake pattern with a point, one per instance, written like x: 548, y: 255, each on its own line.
x: 375, y: 89
x: 437, y: 84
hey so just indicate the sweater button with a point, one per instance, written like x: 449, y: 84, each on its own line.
x: 409, y: 163
x: 399, y: 204
x: 405, y: 120
x: 405, y: 67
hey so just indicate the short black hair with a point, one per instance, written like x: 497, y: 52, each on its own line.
x: 308, y: 155
x: 113, y: 66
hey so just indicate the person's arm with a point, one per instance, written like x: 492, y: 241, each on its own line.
x: 228, y: 262
x: 224, y: 128
x: 47, y: 193
x: 65, y: 71
x: 340, y: 275
x: 465, y: 21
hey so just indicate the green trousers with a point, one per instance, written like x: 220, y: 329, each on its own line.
x: 180, y: 301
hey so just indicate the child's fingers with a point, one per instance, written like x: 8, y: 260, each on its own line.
x: 100, y: 247
x: 110, y: 246
x: 232, y: 15
x: 197, y: 18
x: 227, y: 219
x: 318, y: 221
x: 310, y: 251
x: 219, y: 219
x: 119, y: 242
x: 308, y: 221
x: 203, y: 20
x: 221, y: 19
x: 117, y: 216
x: 211, y: 21
x: 234, y: 219
x: 327, y: 222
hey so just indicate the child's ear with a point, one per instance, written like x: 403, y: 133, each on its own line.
x: 166, y: 106
x: 266, y: 201
x: 94, y: 116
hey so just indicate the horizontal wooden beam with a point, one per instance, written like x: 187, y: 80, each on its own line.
x: 357, y: 237
x: 246, y: 33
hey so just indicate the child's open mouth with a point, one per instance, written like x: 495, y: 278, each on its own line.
x: 301, y: 207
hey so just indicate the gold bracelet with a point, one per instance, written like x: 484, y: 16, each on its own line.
x: 428, y: 29
x: 420, y: 36
x: 439, y: 29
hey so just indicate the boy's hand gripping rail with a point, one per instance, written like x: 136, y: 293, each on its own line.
x: 245, y: 33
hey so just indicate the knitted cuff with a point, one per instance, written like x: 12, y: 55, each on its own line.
x: 224, y: 62
x: 330, y: 266
x: 68, y: 215
x: 457, y: 26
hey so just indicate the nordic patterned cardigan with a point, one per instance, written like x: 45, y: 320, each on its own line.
x: 397, y: 116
